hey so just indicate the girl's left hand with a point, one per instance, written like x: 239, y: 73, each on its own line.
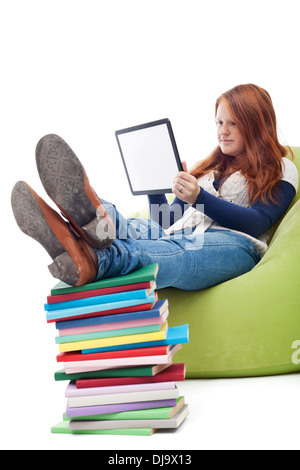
x: 186, y: 186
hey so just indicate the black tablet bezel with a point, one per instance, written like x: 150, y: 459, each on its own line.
x: 174, y: 146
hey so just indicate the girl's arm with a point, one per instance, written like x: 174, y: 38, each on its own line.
x: 254, y: 220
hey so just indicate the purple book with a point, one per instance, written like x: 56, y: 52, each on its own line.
x: 97, y: 410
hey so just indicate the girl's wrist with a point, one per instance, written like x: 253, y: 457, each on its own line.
x: 197, y: 194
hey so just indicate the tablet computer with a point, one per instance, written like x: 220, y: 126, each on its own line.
x: 150, y: 157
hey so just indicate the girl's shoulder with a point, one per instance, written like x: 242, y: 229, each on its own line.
x: 290, y: 172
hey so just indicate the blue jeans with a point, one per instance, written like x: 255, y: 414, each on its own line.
x: 186, y: 260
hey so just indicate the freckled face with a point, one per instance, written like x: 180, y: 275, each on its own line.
x: 230, y: 137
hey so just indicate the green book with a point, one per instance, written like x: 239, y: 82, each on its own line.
x: 63, y: 428
x: 147, y: 273
x: 150, y: 413
x: 139, y: 371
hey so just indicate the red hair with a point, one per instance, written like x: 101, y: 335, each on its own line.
x: 252, y: 111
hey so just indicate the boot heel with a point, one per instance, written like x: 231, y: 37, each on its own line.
x: 64, y: 268
x: 99, y: 232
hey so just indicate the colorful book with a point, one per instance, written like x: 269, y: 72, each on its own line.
x: 108, y: 333
x: 132, y: 308
x: 101, y: 299
x: 176, y: 373
x: 171, y: 423
x: 63, y: 428
x: 115, y: 398
x: 72, y: 412
x: 175, y: 335
x: 52, y: 299
x: 73, y: 391
x: 149, y: 413
x: 87, y: 366
x: 115, y: 325
x: 117, y: 340
x: 147, y: 273
x: 141, y: 371
x: 156, y: 312
x: 94, y: 309
x: 117, y: 351
x: 78, y: 356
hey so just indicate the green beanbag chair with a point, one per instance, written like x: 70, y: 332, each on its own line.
x: 250, y: 325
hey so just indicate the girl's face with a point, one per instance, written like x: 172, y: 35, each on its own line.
x: 230, y: 138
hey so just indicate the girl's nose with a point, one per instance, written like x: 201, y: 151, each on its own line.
x: 224, y: 129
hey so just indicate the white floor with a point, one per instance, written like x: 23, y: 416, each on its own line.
x: 248, y: 413
x: 255, y: 413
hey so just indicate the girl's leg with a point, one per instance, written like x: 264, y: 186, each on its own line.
x: 190, y: 262
x: 66, y: 182
x: 134, y: 228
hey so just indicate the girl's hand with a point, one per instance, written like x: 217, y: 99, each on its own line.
x: 186, y: 186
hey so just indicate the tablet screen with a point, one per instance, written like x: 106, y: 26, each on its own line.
x: 150, y: 157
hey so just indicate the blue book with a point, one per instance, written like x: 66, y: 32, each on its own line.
x: 156, y: 311
x: 100, y: 299
x: 175, y: 335
x: 73, y: 312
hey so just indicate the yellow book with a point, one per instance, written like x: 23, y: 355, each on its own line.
x: 115, y: 341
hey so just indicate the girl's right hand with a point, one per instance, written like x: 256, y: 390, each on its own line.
x: 186, y: 186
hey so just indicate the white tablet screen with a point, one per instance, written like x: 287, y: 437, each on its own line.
x: 150, y: 157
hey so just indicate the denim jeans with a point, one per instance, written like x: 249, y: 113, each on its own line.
x: 186, y: 260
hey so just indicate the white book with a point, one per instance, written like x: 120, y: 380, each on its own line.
x: 168, y: 423
x: 73, y: 391
x: 95, y: 400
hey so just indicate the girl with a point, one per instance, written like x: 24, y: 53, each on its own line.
x: 217, y: 227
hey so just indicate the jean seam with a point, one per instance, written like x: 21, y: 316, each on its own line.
x: 157, y: 254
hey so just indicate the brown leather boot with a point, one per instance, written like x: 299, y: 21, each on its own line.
x: 75, y: 262
x: 67, y: 184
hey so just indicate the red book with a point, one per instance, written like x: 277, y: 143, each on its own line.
x: 140, y: 352
x: 52, y: 299
x: 174, y: 373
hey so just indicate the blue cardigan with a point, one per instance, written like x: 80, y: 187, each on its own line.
x: 254, y: 220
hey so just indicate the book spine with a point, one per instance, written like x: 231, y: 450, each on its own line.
x: 116, y: 398
x: 53, y: 299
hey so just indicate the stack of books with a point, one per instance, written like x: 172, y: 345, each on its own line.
x: 117, y: 355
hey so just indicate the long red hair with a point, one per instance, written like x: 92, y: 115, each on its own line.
x: 252, y: 111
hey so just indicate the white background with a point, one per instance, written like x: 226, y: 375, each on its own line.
x: 83, y: 69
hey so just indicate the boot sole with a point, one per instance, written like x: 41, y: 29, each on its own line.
x: 66, y: 183
x: 31, y: 220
